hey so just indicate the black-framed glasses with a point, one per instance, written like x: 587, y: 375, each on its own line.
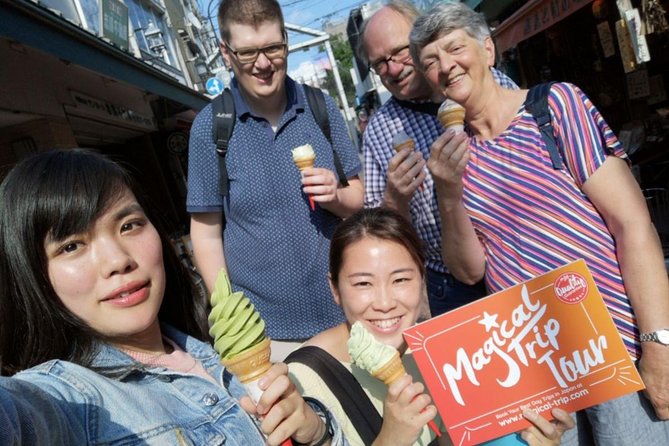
x: 400, y: 55
x: 249, y: 55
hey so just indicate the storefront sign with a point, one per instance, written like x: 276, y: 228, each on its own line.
x: 638, y: 39
x: 534, y: 17
x: 90, y: 107
x: 606, y: 39
x: 549, y: 342
x: 115, y: 22
x: 625, y: 44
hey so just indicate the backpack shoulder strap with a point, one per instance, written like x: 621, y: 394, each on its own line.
x: 316, y: 101
x: 537, y: 104
x: 355, y: 402
x: 223, y: 109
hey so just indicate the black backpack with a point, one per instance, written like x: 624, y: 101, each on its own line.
x: 364, y: 417
x: 360, y: 410
x: 537, y: 104
x: 224, y: 122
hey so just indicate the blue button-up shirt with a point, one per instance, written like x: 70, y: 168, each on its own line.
x: 276, y: 248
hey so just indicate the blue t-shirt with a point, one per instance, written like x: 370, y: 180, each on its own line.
x: 276, y: 248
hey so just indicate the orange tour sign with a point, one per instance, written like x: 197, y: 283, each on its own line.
x: 549, y: 342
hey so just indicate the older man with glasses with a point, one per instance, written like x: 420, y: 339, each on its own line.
x: 400, y: 180
x: 264, y: 232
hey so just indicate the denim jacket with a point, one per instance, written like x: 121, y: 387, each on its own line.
x: 59, y: 402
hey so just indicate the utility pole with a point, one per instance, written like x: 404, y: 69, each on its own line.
x: 321, y: 37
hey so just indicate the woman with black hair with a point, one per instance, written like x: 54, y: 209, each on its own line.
x: 98, y: 330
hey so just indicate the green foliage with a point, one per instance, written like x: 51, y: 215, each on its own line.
x: 343, y: 54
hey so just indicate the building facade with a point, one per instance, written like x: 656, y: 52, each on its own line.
x: 123, y: 77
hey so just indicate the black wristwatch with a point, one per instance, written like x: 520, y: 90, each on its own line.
x: 324, y: 415
x: 660, y: 336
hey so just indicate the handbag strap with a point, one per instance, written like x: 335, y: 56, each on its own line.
x: 343, y: 385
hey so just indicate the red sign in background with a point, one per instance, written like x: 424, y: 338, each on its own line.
x: 549, y: 342
x: 532, y: 18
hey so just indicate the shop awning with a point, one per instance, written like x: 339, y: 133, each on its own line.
x: 532, y: 18
x: 39, y: 28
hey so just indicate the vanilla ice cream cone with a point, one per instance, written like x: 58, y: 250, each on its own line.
x: 452, y: 115
x: 304, y: 163
x: 401, y: 141
x: 391, y: 370
x: 304, y: 156
x: 410, y: 144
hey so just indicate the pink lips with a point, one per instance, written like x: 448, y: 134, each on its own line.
x: 128, y: 295
x: 454, y: 80
x: 264, y: 78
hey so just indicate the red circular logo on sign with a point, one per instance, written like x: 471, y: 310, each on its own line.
x: 570, y: 288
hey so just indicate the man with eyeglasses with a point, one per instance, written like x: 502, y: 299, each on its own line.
x: 400, y: 180
x: 264, y: 232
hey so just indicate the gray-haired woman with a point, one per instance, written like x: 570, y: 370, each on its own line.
x: 510, y: 211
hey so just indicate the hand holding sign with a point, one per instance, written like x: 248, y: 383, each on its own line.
x: 547, y: 343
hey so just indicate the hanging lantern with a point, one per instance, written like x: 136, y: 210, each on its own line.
x: 600, y: 9
x: 154, y: 38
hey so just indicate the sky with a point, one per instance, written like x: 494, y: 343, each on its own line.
x: 308, y: 13
x: 312, y: 14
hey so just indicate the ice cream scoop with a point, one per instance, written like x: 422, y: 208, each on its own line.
x: 401, y: 140
x: 451, y: 115
x: 239, y: 336
x: 382, y: 361
x: 366, y: 352
x: 304, y: 157
x: 234, y: 323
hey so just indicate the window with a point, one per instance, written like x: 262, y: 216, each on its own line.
x: 66, y: 7
x: 141, y: 14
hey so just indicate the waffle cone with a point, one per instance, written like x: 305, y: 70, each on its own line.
x: 250, y: 364
x: 391, y: 370
x: 452, y: 117
x: 409, y: 143
x: 303, y: 163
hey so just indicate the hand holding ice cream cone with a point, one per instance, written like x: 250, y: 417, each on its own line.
x: 239, y: 336
x: 304, y: 157
x: 403, y: 141
x: 380, y: 360
x: 452, y: 115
